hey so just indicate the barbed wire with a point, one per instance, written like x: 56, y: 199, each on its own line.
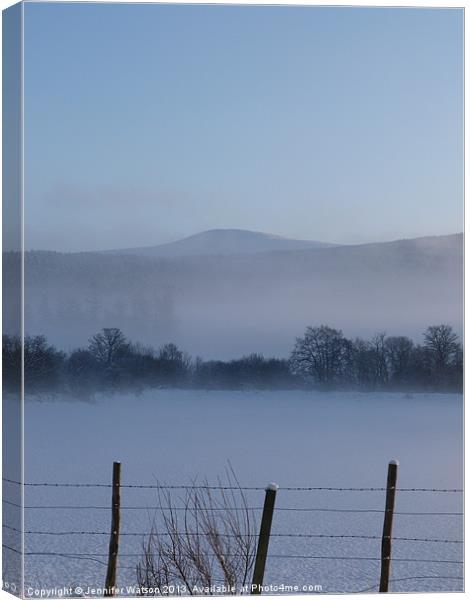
x: 236, y: 508
x: 427, y: 540
x: 100, y: 558
x: 136, y: 486
x: 97, y: 507
x: 230, y: 487
x: 70, y: 556
x: 133, y: 567
x: 402, y: 579
x: 231, y: 535
x: 278, y: 556
x: 367, y: 510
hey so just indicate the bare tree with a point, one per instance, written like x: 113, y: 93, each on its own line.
x: 11, y: 361
x: 174, y: 364
x: 362, y: 372
x: 170, y: 352
x: 107, y: 345
x: 42, y: 363
x: 399, y: 351
x: 379, y: 358
x: 443, y: 344
x: 320, y: 354
x: 203, y: 546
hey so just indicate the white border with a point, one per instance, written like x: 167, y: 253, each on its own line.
x: 353, y: 3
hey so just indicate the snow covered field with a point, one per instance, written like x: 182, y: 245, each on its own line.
x: 292, y: 438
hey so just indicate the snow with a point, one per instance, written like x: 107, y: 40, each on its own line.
x: 294, y: 438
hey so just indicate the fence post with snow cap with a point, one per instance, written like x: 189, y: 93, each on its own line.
x: 263, y: 540
x: 388, y: 523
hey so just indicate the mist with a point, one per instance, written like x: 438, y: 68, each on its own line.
x: 226, y: 306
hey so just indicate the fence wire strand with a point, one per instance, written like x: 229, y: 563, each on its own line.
x: 282, y: 556
x: 236, y: 508
x: 231, y: 535
x: 369, y: 589
x: 229, y: 487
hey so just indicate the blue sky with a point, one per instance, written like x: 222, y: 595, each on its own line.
x: 146, y: 123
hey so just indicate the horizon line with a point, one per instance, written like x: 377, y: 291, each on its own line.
x: 327, y: 244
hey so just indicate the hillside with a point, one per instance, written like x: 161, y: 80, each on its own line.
x: 222, y: 242
x: 228, y: 305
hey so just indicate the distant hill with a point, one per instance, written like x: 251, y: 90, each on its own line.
x: 226, y: 305
x: 221, y: 242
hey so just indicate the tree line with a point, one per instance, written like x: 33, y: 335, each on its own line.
x: 323, y: 358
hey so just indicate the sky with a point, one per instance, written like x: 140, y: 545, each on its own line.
x: 148, y: 123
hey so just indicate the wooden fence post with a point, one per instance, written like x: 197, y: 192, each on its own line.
x: 388, y: 522
x: 263, y: 540
x: 114, y: 538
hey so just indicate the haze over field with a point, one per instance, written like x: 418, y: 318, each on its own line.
x: 227, y: 298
